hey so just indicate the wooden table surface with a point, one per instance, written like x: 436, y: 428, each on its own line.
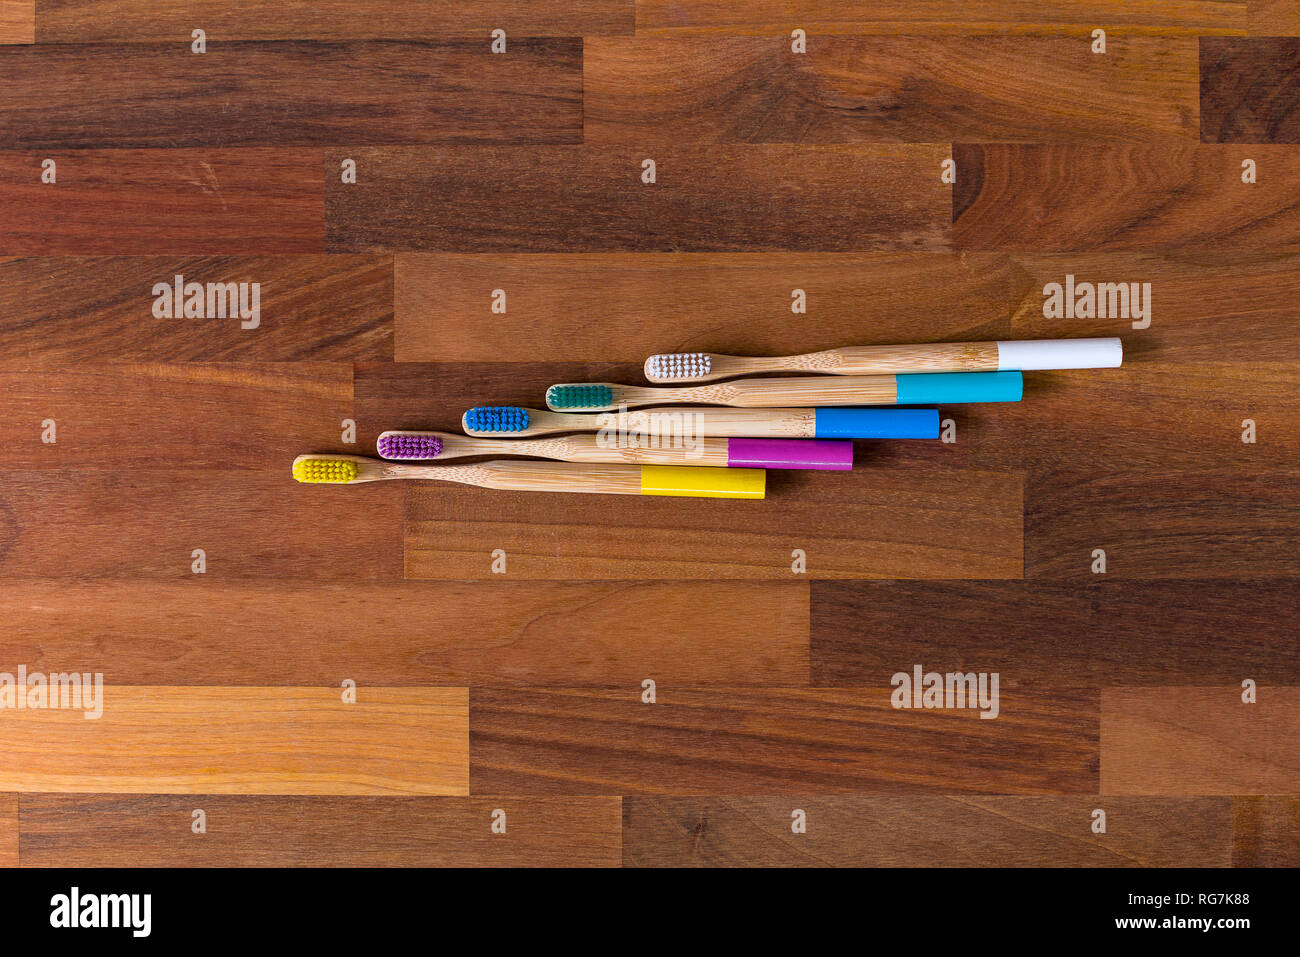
x: 338, y: 675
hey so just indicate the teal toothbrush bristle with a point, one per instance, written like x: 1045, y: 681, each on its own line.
x: 496, y: 418
x: 579, y: 396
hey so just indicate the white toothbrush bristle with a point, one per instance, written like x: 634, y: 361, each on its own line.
x: 680, y: 365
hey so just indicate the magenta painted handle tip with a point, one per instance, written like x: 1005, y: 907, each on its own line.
x: 789, y: 454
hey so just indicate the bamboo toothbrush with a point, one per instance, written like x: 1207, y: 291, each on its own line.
x: 698, y: 482
x: 920, y: 389
x: 715, y: 452
x: 691, y: 422
x: 1013, y: 355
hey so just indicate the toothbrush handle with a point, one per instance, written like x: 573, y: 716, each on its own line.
x: 1001, y: 356
x: 695, y: 481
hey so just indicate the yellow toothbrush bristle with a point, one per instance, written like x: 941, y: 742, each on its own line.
x: 332, y: 471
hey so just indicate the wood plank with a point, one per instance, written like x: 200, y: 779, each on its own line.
x: 1193, y: 524
x: 562, y: 307
x: 872, y: 523
x: 1201, y: 302
x: 794, y: 741
x: 1158, y: 196
x: 291, y: 94
x: 409, y: 634
x: 243, y: 741
x: 1273, y: 18
x: 146, y: 523
x: 1137, y: 633
x: 93, y: 308
x: 925, y: 831
x: 63, y: 21
x: 924, y: 17
x: 1266, y: 832
x: 9, y: 830
x: 17, y: 21
x: 97, y: 830
x: 1180, y: 741
x: 887, y: 89
x: 705, y: 199
x: 1249, y: 92
x: 173, y: 202
x: 230, y: 417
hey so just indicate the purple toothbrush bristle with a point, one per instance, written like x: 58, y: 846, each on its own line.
x: 410, y: 446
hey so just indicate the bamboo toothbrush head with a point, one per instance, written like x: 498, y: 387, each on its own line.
x: 682, y: 367
x: 326, y: 469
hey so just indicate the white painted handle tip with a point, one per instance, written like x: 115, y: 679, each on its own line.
x: 1028, y: 355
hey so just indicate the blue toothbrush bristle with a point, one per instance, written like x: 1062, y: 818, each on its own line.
x: 496, y: 418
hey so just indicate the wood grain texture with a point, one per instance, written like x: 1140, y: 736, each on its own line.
x: 1180, y: 741
x: 96, y: 830
x: 1189, y: 523
x: 920, y: 17
x: 227, y: 417
x: 1266, y: 832
x: 168, y: 202
x: 136, y: 524
x: 291, y: 94
x: 1167, y: 196
x: 1249, y: 90
x: 92, y: 308
x: 1273, y: 18
x: 1137, y: 633
x: 886, y: 89
x: 924, y: 831
x: 9, y: 831
x: 63, y: 21
x: 620, y: 308
x: 873, y: 523
x: 789, y: 741
x: 1202, y: 301
x: 413, y: 634
x: 244, y: 741
x: 574, y: 199
x: 17, y: 21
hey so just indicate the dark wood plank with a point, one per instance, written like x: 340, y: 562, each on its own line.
x: 145, y: 523
x: 561, y: 307
x: 795, y: 741
x: 229, y: 417
x: 1266, y: 832
x: 96, y: 830
x: 1138, y: 633
x: 1194, y: 524
x: 719, y: 198
x: 291, y: 94
x: 1249, y: 90
x: 924, y: 831
x: 912, y: 17
x: 413, y: 634
x: 94, y: 308
x: 190, y: 740
x: 17, y: 21
x: 1180, y: 741
x: 887, y: 89
x: 1158, y: 196
x: 172, y: 202
x: 63, y: 21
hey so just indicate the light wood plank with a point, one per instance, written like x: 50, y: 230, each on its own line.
x: 622, y: 307
x: 243, y: 741
x: 426, y: 633
x: 1180, y: 741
